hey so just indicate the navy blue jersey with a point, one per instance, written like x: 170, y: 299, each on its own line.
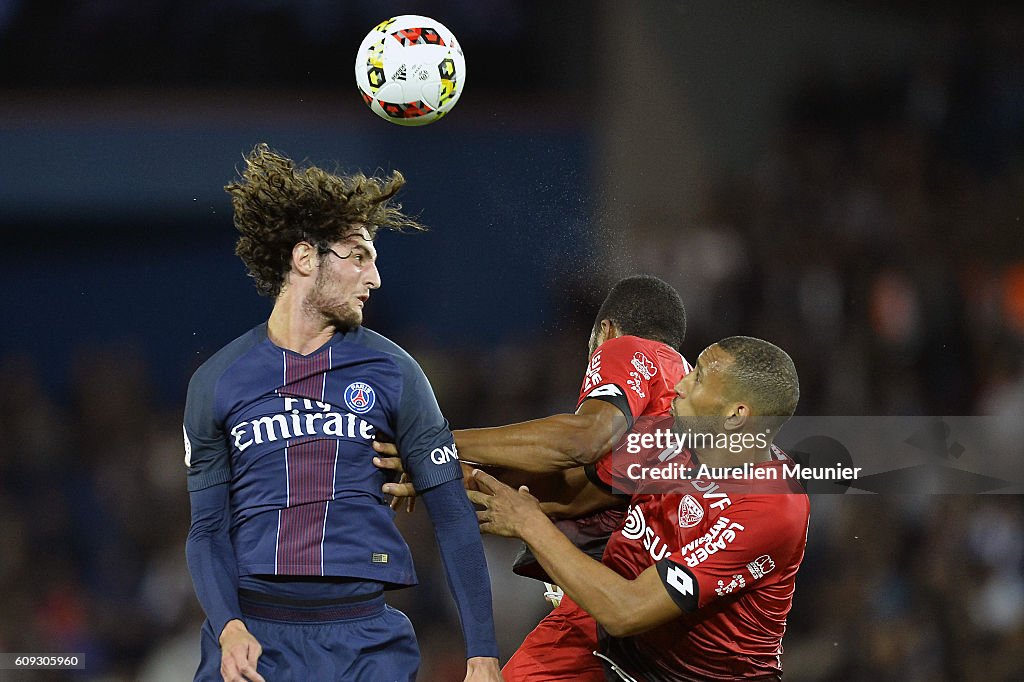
x: 292, y: 434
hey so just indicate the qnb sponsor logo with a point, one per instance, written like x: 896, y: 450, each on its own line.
x: 716, y: 539
x: 444, y: 454
x: 636, y: 528
x: 314, y: 419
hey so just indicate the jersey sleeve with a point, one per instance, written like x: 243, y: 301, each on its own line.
x: 207, y: 455
x: 620, y: 372
x: 424, y: 439
x: 618, y: 472
x: 756, y: 540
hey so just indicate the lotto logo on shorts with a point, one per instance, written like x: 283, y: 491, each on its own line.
x: 359, y: 397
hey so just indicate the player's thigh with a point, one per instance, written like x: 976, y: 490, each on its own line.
x: 377, y: 648
x: 559, y: 649
x: 209, y: 656
x: 387, y: 649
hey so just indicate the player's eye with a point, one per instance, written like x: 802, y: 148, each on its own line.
x: 358, y: 257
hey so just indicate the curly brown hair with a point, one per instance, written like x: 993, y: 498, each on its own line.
x: 278, y: 204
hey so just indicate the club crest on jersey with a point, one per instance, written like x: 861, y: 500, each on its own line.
x: 690, y: 512
x: 359, y: 397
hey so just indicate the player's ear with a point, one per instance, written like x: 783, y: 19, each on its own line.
x: 304, y: 258
x: 736, y: 416
x: 609, y: 330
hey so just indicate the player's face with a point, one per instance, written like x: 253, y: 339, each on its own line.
x: 345, y: 279
x: 701, y: 393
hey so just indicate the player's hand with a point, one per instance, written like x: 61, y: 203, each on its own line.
x: 505, y: 511
x: 403, y: 489
x: 481, y: 669
x: 239, y: 653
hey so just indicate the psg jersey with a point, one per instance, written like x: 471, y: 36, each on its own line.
x: 291, y: 435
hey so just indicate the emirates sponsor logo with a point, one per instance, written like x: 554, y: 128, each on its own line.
x: 313, y: 419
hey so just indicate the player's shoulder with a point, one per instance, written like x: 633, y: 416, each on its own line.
x: 774, y: 498
x: 377, y: 342
x: 648, y: 352
x: 219, y: 362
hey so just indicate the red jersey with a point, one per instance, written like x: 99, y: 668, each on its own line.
x: 638, y: 376
x: 727, y: 551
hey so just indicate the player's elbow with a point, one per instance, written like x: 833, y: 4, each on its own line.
x: 587, y: 442
x: 588, y: 452
x: 622, y: 624
x: 616, y: 612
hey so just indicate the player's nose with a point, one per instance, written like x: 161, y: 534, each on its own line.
x: 373, y: 277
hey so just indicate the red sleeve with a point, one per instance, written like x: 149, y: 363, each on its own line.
x: 620, y: 372
x: 757, y: 539
x: 639, y: 446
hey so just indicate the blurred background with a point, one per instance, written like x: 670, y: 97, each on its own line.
x: 843, y: 178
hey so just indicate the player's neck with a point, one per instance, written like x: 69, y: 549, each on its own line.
x: 292, y: 327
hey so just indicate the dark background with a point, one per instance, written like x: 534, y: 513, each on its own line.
x: 842, y: 178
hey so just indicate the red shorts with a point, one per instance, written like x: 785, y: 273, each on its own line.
x: 560, y: 649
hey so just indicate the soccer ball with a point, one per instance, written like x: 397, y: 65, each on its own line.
x: 410, y: 70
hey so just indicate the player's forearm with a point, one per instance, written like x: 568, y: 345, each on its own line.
x: 462, y: 554
x: 599, y: 590
x: 211, y: 559
x: 553, y: 443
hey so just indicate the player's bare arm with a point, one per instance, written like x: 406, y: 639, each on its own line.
x: 542, y: 446
x: 567, y: 494
x: 561, y: 441
x: 622, y: 607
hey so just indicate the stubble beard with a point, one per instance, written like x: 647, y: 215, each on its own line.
x: 319, y: 303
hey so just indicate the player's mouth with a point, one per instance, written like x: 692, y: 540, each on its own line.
x: 362, y: 299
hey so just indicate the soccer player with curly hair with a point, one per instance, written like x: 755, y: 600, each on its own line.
x: 292, y: 544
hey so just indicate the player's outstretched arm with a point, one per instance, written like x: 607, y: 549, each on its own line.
x: 561, y: 441
x: 568, y: 494
x: 622, y: 607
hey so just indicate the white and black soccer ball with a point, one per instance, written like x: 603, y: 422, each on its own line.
x: 410, y: 70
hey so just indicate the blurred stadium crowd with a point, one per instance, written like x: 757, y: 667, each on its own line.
x: 880, y: 242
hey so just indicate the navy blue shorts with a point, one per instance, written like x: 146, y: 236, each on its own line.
x: 364, y: 642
